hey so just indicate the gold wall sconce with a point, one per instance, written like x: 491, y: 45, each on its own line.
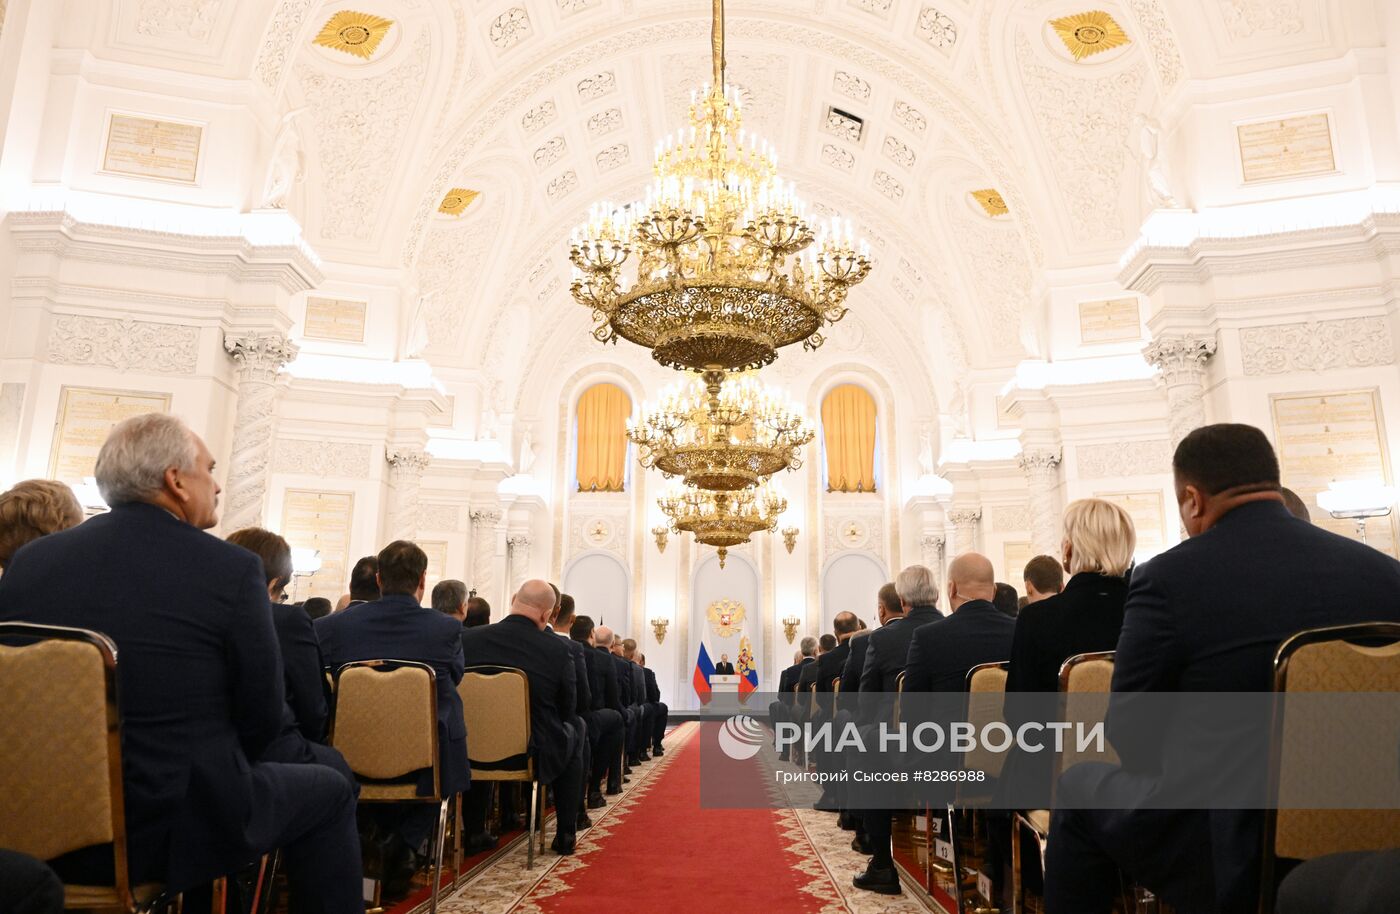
x: 660, y: 534
x: 658, y: 628
x: 790, y: 540
x: 790, y: 627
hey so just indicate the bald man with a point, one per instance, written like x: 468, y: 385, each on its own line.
x: 940, y: 654
x: 520, y: 640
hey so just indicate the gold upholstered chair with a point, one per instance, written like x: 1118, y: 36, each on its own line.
x: 58, y: 689
x: 1362, y: 658
x: 986, y: 684
x: 496, y: 705
x: 1082, y: 674
x: 385, y: 725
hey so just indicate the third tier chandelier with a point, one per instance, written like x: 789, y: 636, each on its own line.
x: 723, y: 519
x: 720, y: 434
x: 727, y: 268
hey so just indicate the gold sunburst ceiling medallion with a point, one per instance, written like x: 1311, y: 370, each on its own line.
x: 357, y: 34
x: 991, y: 201
x: 1086, y: 34
x: 456, y: 201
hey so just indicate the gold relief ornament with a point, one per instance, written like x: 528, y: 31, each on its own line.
x: 726, y: 617
x: 356, y: 34
x: 456, y: 201
x: 991, y: 202
x: 718, y: 266
x: 1086, y: 34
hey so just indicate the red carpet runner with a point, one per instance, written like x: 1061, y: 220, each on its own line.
x: 662, y: 852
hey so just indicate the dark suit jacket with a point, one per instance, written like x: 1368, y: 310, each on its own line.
x: 639, y: 683
x: 547, y: 663
x: 885, y: 658
x: 1207, y: 616
x: 855, y: 662
x: 831, y: 664
x: 395, y: 627
x: 199, y: 673
x: 302, y: 666
x: 583, y: 694
x: 624, y: 680
x: 603, y: 683
x: 653, y: 690
x: 724, y: 669
x: 942, y: 651
x: 789, y: 677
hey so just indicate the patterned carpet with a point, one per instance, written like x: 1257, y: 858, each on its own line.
x: 655, y: 849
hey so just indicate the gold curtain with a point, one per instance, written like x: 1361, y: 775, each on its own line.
x: 848, y: 426
x: 602, y: 438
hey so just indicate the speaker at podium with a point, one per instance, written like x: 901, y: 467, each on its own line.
x: 724, y: 685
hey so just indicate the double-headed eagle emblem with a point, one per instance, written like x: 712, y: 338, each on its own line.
x: 726, y: 617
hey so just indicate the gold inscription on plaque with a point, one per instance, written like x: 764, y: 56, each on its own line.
x: 85, y: 417
x: 1333, y: 437
x: 320, y: 521
x: 146, y: 148
x: 1109, y: 321
x: 1290, y: 147
x: 1014, y: 558
x: 1145, y: 508
x: 335, y: 319
x: 437, y: 561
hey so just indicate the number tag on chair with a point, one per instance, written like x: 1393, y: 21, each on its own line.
x: 935, y: 825
x: 984, y: 887
x: 943, y: 850
x: 921, y: 824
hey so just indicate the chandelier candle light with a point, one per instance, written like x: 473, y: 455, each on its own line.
x: 721, y: 433
x: 727, y: 268
x: 723, y: 519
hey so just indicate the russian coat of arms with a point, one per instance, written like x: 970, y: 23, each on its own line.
x: 726, y: 617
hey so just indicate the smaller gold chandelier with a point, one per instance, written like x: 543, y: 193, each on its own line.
x: 720, y: 434
x: 723, y: 519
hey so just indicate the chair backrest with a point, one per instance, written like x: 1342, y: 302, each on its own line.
x: 1086, y: 680
x: 60, y: 744
x: 496, y: 706
x: 385, y: 721
x: 986, y: 683
x: 898, y: 694
x: 836, y: 685
x: 1326, y: 660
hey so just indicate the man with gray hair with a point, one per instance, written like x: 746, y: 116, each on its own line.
x: 450, y: 599
x: 781, y: 709
x: 200, y: 676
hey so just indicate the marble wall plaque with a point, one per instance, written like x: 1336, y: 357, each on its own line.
x: 1014, y: 556
x: 1110, y: 321
x: 148, y: 148
x: 1149, y: 519
x: 436, y: 551
x: 85, y: 417
x: 320, y: 521
x: 1333, y: 437
x: 337, y: 319
x: 1289, y: 147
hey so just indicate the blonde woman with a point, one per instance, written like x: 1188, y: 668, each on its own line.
x: 35, y: 508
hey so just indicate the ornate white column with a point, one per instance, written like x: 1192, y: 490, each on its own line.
x: 964, y: 521
x: 485, y: 520
x: 406, y: 466
x: 1182, y: 361
x: 931, y: 555
x: 258, y: 357
x: 1041, y: 467
x: 518, y: 550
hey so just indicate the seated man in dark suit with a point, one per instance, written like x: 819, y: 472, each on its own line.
x: 559, y: 621
x: 398, y: 627
x: 364, y: 581
x: 605, y: 711
x: 478, y: 612
x: 888, y: 609
x: 939, y: 656
x: 661, y: 712
x: 830, y: 664
x: 199, y: 674
x: 618, y: 768
x: 781, y: 709
x: 639, y: 701
x: 1206, y: 616
x: 304, y: 721
x: 520, y: 641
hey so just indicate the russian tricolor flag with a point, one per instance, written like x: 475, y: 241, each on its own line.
x: 704, y: 669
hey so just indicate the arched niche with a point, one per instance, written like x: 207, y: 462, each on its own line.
x: 738, y: 580
x: 601, y: 589
x: 850, y: 584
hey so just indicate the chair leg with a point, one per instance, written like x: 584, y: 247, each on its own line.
x: 530, y: 827
x: 458, y: 844
x: 439, y: 840
x: 1016, y: 903
x: 262, y: 890
x: 957, y: 860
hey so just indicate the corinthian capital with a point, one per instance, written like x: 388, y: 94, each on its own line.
x: 408, y: 460
x: 1038, y: 460
x: 519, y: 541
x: 964, y: 517
x: 259, y: 356
x: 1181, y: 358
x: 486, y: 517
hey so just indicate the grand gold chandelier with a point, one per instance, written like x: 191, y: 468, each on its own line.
x: 720, y: 433
x: 727, y: 268
x: 723, y: 519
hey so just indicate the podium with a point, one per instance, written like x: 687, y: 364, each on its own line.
x: 724, y: 685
